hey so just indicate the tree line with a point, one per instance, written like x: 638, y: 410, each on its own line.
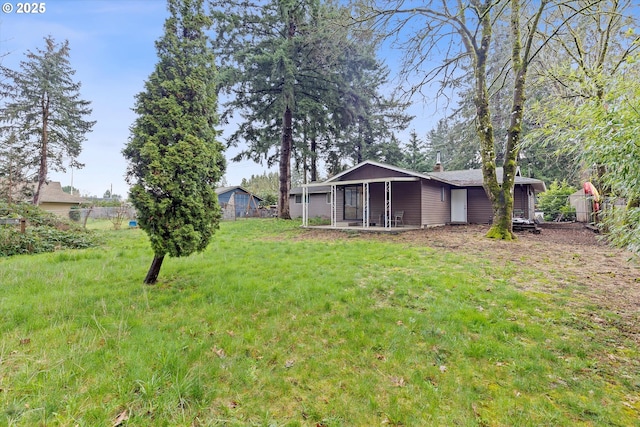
x: 549, y: 84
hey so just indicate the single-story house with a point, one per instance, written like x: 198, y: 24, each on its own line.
x: 52, y: 198
x: 373, y: 194
x: 237, y: 201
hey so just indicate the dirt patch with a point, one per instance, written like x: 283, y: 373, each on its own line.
x: 562, y: 255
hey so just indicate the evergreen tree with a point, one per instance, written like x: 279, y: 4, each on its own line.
x: 174, y: 158
x: 45, y: 112
x: 415, y: 158
x: 303, y: 83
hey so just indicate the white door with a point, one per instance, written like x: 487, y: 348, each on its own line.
x: 459, y: 205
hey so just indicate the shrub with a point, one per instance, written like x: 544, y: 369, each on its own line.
x: 555, y: 202
x: 45, y: 232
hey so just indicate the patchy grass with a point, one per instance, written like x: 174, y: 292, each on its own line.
x: 270, y: 327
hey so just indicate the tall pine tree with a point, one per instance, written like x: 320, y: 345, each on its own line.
x: 44, y: 112
x: 174, y: 158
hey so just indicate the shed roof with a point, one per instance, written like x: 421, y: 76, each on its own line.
x: 222, y: 190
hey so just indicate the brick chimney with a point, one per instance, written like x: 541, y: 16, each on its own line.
x: 438, y: 167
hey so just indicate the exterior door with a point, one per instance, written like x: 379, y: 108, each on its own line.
x: 459, y: 205
x: 353, y: 202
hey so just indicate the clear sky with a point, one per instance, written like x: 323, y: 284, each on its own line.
x: 113, y: 53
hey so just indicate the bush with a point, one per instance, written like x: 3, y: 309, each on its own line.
x: 45, y: 232
x: 74, y: 214
x: 555, y: 202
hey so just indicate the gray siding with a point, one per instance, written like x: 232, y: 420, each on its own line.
x: 435, y: 211
x: 318, y: 206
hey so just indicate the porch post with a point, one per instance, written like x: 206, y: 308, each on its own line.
x: 305, y: 206
x: 333, y: 206
x: 365, y: 205
x: 387, y: 204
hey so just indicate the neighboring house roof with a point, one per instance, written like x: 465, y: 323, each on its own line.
x: 474, y: 178
x: 222, y: 190
x: 51, y: 192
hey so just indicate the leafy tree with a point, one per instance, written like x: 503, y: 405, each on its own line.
x: 467, y: 31
x: 555, y: 201
x: 591, y: 108
x: 70, y: 190
x: 45, y: 111
x: 174, y: 158
x: 264, y: 186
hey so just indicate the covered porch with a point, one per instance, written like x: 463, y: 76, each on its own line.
x: 374, y: 204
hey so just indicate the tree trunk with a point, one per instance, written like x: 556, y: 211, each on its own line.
x: 42, y: 170
x: 314, y: 160
x: 285, y: 165
x: 154, y: 270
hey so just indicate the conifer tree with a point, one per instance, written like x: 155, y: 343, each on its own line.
x: 44, y: 111
x: 174, y: 158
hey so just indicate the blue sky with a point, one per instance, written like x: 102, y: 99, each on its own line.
x: 113, y: 53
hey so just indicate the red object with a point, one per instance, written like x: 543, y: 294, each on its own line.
x: 590, y: 189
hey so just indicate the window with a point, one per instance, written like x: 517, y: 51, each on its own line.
x: 442, y: 194
x: 353, y: 202
x: 298, y: 198
x: 329, y: 198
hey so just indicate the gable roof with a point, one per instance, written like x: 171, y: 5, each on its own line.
x: 51, y: 192
x: 459, y: 178
x: 380, y: 165
x: 222, y: 190
x: 474, y: 178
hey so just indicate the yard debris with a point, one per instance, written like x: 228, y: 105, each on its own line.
x: 121, y: 418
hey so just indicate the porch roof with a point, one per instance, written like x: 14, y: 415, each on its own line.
x: 327, y: 184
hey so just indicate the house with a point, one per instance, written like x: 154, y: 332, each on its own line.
x: 237, y: 202
x: 373, y: 194
x: 52, y: 198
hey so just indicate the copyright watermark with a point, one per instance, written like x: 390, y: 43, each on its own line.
x: 33, y: 8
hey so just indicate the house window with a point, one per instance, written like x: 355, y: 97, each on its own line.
x: 442, y: 194
x: 298, y: 198
x: 353, y: 202
x: 328, y: 198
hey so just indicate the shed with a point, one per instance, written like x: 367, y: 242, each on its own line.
x: 237, y: 202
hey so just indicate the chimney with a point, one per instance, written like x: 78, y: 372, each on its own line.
x: 438, y: 167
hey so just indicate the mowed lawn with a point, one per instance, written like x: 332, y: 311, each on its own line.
x: 269, y: 327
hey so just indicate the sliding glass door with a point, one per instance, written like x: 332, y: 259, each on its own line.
x: 353, y: 202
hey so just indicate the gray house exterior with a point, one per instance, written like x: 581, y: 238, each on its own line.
x: 373, y: 194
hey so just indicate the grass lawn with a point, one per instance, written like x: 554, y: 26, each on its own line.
x: 269, y: 327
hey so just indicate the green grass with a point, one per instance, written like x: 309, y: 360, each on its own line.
x: 269, y: 328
